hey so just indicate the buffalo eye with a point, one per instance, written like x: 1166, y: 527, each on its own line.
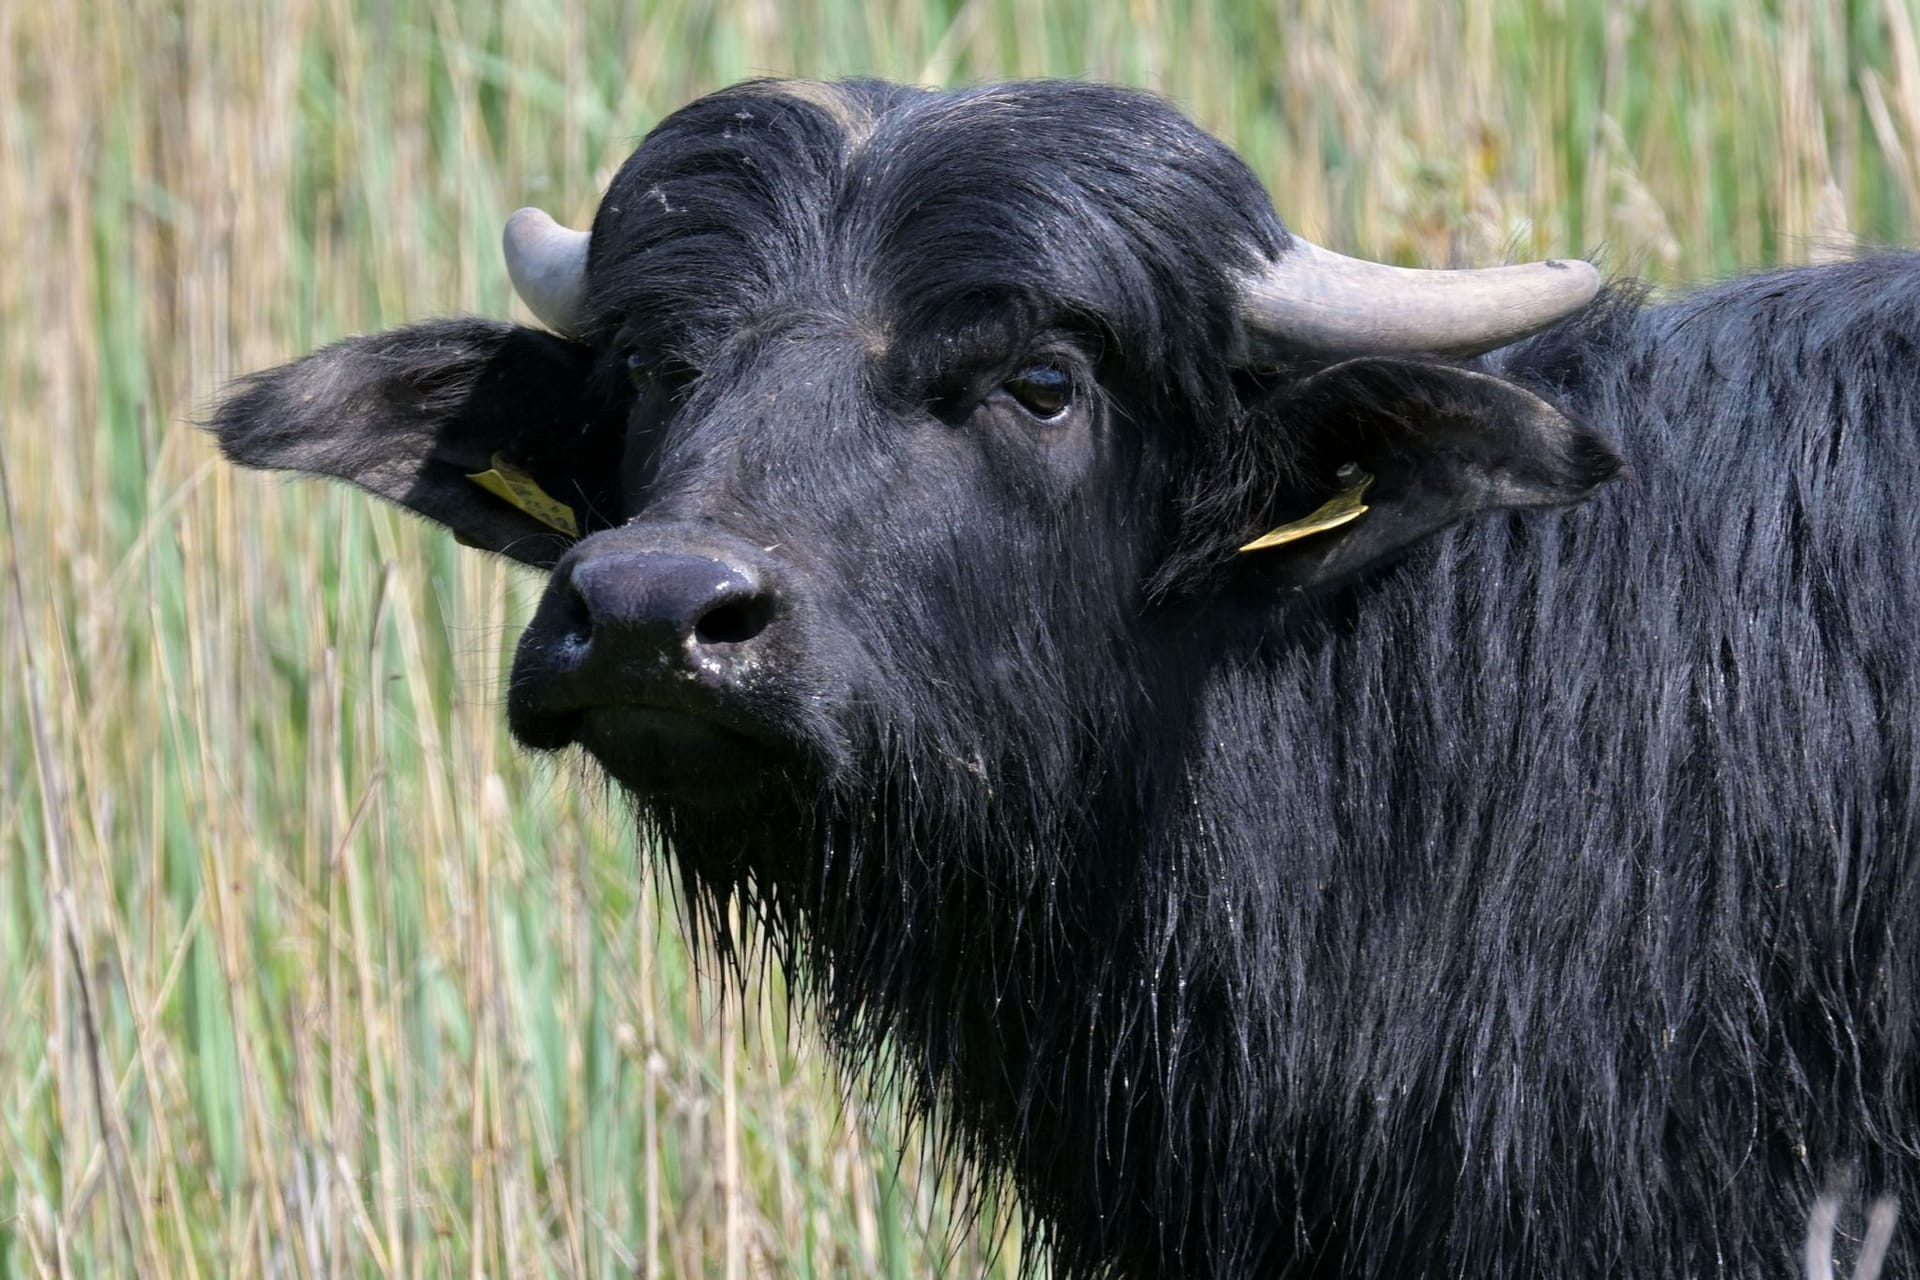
x: 1043, y: 390
x: 637, y: 372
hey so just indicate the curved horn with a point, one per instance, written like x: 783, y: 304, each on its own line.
x: 548, y: 265
x: 1316, y: 299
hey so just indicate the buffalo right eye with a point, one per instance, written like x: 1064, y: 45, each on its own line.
x: 1043, y: 390
x: 637, y: 372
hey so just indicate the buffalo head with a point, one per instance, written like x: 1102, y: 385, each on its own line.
x: 882, y: 425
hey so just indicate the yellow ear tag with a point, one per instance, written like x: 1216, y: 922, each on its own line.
x: 513, y: 485
x: 1341, y: 508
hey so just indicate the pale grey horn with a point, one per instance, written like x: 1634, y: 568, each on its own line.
x: 548, y: 265
x: 1319, y: 301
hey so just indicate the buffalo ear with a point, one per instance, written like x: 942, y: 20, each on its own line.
x: 414, y: 414
x: 1441, y: 443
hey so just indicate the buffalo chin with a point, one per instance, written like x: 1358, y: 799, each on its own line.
x: 658, y: 753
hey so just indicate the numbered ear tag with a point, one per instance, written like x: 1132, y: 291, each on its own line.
x: 1343, y: 508
x: 512, y: 485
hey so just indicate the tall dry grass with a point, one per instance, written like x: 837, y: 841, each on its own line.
x: 302, y: 971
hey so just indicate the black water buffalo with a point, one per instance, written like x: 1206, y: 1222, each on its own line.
x: 1509, y: 868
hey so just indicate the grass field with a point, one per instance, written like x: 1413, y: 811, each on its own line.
x: 302, y: 971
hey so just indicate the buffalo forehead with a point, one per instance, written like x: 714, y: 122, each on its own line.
x: 854, y: 110
x: 888, y: 203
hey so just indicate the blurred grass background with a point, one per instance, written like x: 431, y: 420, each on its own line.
x: 302, y: 971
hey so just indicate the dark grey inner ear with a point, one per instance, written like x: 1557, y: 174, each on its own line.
x: 1442, y: 443
x: 413, y: 413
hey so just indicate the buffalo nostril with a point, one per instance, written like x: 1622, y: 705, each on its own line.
x: 641, y: 605
x: 735, y: 621
x: 573, y: 616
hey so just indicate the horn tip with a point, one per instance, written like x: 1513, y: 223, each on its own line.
x: 527, y: 224
x: 1583, y: 278
x: 547, y: 263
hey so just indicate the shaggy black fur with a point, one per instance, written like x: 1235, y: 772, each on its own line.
x: 1480, y: 890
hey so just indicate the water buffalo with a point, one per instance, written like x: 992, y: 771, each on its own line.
x: 1509, y: 866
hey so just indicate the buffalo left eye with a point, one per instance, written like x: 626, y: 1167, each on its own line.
x: 1043, y: 390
